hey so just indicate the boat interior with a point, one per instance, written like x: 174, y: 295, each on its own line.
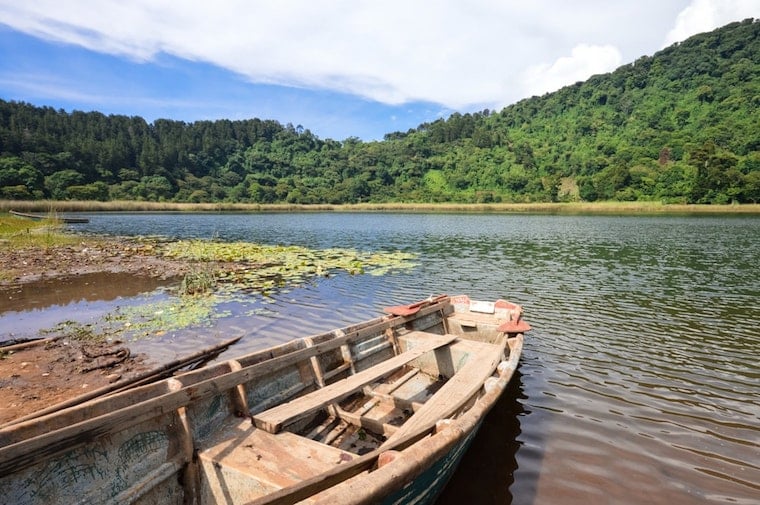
x: 242, y: 429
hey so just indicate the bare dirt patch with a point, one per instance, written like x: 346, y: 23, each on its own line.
x: 30, y: 264
x: 41, y: 375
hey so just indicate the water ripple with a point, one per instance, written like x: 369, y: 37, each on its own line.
x: 639, y: 383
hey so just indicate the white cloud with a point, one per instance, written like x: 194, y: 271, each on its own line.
x: 584, y: 61
x: 706, y: 15
x: 480, y: 53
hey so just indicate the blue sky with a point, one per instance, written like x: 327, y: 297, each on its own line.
x: 341, y: 69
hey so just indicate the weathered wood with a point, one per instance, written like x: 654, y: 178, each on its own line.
x: 339, y: 473
x: 342, y: 472
x: 238, y: 468
x: 32, y: 342
x: 473, y: 318
x: 413, y: 308
x: 401, y: 403
x: 248, y: 463
x: 387, y: 389
x: 374, y: 425
x: 457, y: 391
x: 275, y: 418
x: 23, y: 454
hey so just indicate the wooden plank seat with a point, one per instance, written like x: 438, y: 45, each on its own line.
x: 274, y: 419
x: 253, y: 462
x: 455, y: 393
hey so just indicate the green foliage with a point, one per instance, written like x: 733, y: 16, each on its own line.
x: 678, y: 126
x: 198, y: 282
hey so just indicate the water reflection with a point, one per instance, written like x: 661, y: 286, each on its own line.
x: 84, y: 287
x: 28, y: 308
x: 492, y: 457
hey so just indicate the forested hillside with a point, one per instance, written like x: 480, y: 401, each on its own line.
x: 681, y: 126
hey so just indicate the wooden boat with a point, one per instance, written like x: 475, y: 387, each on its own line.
x: 377, y: 412
x: 38, y: 217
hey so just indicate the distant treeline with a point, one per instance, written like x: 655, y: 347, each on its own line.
x: 678, y: 127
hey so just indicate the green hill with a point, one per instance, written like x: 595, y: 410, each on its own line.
x: 681, y: 126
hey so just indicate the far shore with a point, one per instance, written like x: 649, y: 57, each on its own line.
x: 54, y: 206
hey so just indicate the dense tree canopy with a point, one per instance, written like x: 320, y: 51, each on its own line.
x: 679, y: 126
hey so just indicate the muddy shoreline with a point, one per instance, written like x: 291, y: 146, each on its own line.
x: 44, y: 374
x: 113, y: 255
x: 38, y: 376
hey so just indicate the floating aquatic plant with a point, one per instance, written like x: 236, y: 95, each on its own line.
x: 230, y: 273
x: 156, y: 319
x: 262, y: 268
x: 198, y: 282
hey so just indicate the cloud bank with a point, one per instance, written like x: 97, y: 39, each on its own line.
x: 460, y: 55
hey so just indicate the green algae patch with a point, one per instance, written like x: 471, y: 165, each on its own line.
x: 158, y: 318
x: 148, y: 320
x: 262, y: 268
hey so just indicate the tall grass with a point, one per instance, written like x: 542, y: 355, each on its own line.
x: 539, y: 208
x: 17, y: 232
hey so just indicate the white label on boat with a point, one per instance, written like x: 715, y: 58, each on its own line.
x: 485, y: 307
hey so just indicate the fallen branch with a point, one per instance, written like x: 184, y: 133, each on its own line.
x: 120, y: 355
x: 16, y: 345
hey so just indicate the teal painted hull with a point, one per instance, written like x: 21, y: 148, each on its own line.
x: 424, y: 490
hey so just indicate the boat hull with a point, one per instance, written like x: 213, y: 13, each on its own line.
x: 55, y: 217
x: 378, y: 412
x: 425, y: 489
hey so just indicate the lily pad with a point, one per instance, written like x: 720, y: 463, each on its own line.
x: 261, y: 268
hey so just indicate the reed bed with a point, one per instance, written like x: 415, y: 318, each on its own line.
x: 48, y: 206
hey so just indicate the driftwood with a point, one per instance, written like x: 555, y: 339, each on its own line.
x: 117, y: 356
x: 16, y: 345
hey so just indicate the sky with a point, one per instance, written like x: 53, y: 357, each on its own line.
x: 339, y: 68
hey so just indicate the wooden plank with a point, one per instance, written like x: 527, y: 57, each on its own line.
x: 339, y: 473
x: 273, y: 419
x: 387, y: 389
x: 280, y: 460
x: 371, y: 424
x: 476, y: 317
x: 468, y: 380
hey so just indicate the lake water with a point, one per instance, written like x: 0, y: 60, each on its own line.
x: 638, y: 384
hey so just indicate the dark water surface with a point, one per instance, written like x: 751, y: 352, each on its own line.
x: 638, y: 384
